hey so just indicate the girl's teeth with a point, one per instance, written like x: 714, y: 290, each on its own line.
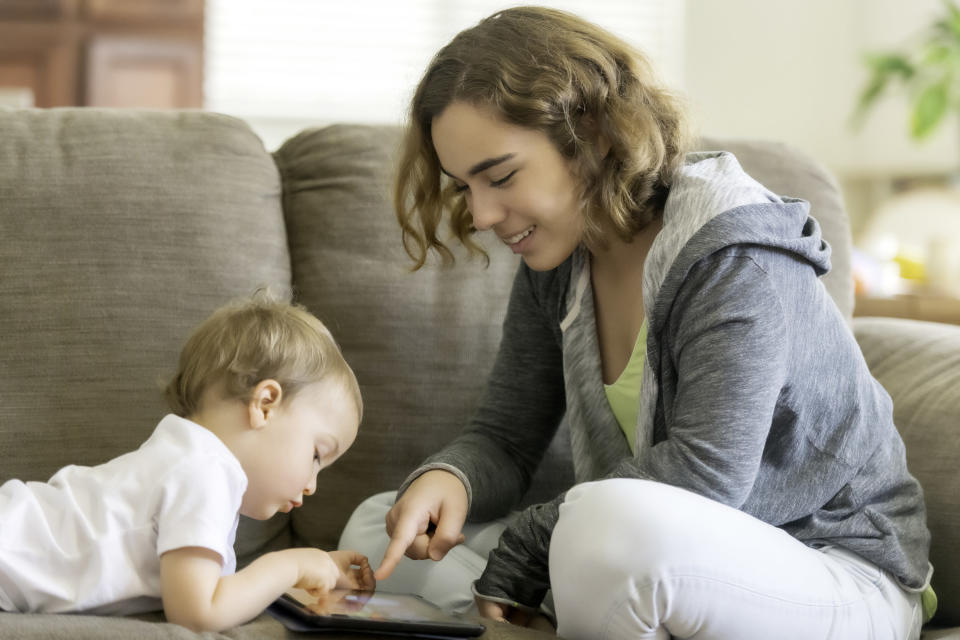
x: 520, y: 236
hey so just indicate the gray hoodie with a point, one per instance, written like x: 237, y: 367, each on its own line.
x: 754, y: 393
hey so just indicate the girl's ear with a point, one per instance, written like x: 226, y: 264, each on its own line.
x: 264, y: 402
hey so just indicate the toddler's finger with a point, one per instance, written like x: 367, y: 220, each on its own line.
x: 356, y: 558
x: 366, y: 579
x: 349, y: 580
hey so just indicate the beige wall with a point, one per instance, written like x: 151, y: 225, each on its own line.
x: 791, y: 70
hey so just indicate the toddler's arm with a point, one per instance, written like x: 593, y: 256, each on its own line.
x: 195, y: 595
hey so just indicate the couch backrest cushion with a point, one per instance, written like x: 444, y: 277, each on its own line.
x: 918, y: 363
x: 119, y: 231
x: 422, y: 343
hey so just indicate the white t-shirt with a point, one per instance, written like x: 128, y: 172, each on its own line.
x: 90, y: 539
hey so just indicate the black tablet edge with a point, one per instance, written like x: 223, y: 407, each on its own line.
x: 420, y: 628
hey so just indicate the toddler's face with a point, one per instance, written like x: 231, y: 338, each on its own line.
x: 304, y: 435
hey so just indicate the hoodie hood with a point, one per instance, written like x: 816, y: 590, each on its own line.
x: 714, y: 204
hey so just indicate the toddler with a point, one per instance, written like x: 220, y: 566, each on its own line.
x: 262, y: 400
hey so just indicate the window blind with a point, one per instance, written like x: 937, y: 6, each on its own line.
x: 287, y: 64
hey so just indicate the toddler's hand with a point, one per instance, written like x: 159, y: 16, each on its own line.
x: 317, y: 571
x: 355, y: 571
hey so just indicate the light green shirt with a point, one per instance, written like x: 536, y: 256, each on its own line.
x: 624, y: 394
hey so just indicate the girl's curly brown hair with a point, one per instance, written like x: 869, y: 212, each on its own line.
x: 551, y: 71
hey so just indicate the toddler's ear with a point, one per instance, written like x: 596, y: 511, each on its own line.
x: 264, y: 402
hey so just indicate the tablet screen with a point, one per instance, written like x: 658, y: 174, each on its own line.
x: 369, y: 605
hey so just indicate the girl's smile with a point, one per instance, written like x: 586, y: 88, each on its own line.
x: 521, y: 241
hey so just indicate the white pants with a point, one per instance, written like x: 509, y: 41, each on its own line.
x: 638, y: 559
x: 445, y: 583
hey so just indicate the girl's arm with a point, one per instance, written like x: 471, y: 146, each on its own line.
x: 487, y: 469
x: 196, y: 596
x: 500, y: 448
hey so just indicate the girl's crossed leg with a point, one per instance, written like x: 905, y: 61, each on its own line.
x: 639, y: 559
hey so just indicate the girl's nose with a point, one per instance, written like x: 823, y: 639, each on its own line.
x: 487, y: 211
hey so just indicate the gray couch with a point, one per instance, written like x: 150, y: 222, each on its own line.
x: 119, y: 230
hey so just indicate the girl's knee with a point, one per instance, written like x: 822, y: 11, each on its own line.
x: 617, y: 527
x: 366, y: 525
x: 612, y: 536
x: 376, y: 505
x: 383, y: 500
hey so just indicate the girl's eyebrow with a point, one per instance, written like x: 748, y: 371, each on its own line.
x: 483, y: 165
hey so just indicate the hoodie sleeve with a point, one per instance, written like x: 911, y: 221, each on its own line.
x: 726, y: 338
x: 725, y: 335
x: 497, y: 453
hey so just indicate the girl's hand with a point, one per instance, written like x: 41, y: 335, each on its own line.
x: 520, y: 617
x: 355, y: 571
x: 426, y: 521
x: 497, y: 611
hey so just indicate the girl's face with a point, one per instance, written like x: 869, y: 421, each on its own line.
x: 514, y: 180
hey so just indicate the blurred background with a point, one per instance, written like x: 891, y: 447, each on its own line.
x: 864, y: 86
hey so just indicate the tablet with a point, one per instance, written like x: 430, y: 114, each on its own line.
x: 370, y: 612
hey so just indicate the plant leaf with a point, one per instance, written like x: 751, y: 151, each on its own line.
x: 890, y: 64
x: 953, y: 18
x: 928, y: 110
x: 868, y: 96
x: 937, y: 53
x: 884, y: 67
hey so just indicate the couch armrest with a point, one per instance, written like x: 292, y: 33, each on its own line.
x: 918, y: 363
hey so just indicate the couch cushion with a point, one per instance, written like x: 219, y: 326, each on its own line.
x: 119, y: 231
x: 918, y: 363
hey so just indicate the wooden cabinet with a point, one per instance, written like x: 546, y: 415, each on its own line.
x: 175, y: 11
x: 108, y: 53
x: 123, y: 71
x: 916, y: 307
x: 37, y: 9
x: 38, y: 65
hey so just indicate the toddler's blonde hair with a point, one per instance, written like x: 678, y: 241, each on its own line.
x: 260, y: 338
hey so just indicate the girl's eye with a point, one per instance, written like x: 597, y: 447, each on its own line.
x: 459, y: 187
x: 502, y: 181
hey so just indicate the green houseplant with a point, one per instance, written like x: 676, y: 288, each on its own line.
x: 928, y: 69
